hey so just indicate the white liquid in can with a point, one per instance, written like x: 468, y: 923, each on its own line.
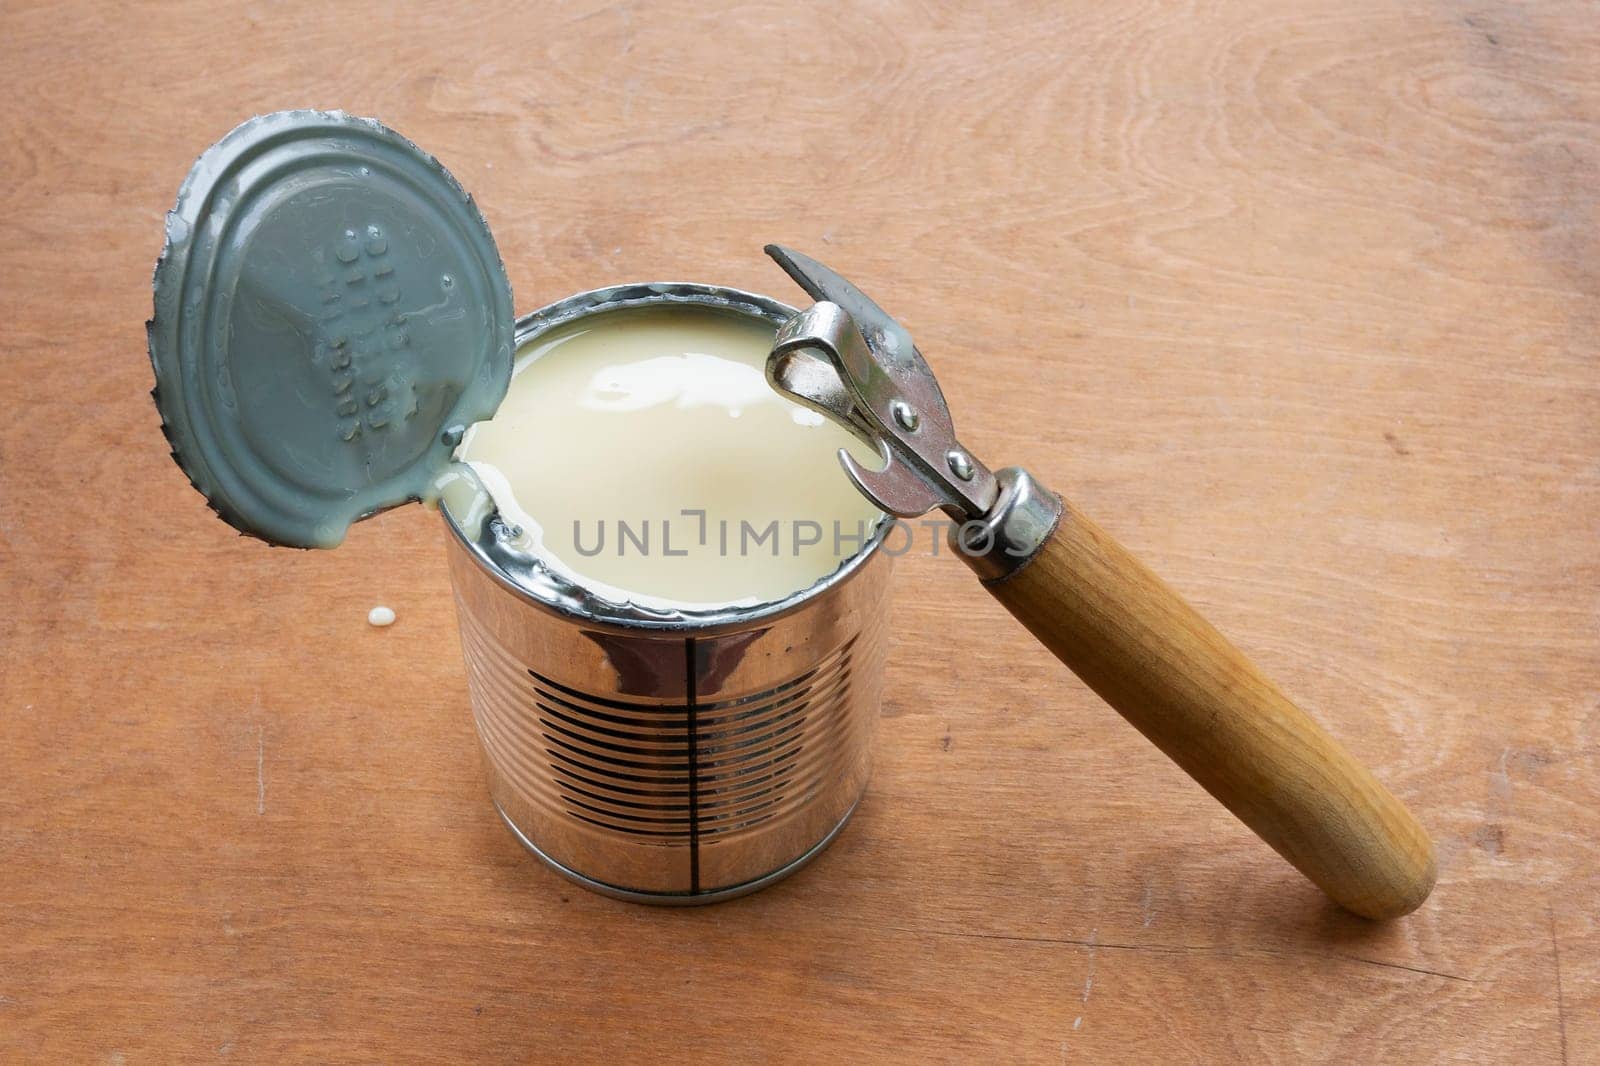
x: 643, y: 453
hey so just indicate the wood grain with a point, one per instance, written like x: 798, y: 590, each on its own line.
x: 1299, y: 299
x: 1164, y: 668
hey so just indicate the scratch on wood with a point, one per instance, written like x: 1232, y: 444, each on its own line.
x: 1088, y: 976
x: 1093, y: 944
x: 261, y: 764
x: 1561, y: 999
x: 1403, y: 966
x: 1500, y: 779
x: 1477, y: 24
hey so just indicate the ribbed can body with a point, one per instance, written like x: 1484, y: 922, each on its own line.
x: 676, y: 764
x: 669, y: 759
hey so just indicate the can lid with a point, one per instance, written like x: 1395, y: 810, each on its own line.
x: 331, y: 314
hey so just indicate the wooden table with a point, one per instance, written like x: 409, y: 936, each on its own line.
x: 1300, y: 301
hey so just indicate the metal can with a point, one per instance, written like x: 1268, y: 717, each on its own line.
x: 661, y: 756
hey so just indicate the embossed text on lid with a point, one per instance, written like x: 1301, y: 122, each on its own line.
x: 330, y: 314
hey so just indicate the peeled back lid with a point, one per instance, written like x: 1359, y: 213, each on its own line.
x: 331, y: 314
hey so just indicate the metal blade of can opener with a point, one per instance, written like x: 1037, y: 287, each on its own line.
x: 847, y: 359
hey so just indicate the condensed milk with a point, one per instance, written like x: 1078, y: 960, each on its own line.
x: 642, y: 453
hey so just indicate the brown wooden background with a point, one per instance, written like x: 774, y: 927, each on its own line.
x: 1300, y: 300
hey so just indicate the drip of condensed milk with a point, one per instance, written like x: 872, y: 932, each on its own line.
x: 643, y: 453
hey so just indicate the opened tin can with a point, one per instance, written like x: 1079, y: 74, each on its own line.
x: 668, y: 756
x: 331, y: 318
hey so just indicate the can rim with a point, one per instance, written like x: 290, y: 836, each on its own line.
x: 544, y: 587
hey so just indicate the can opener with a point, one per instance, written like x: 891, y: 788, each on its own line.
x: 1113, y: 622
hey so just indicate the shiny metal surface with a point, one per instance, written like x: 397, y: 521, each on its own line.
x: 847, y: 359
x: 716, y: 895
x: 878, y: 374
x: 669, y: 756
x: 905, y: 416
x: 1003, y: 541
x: 960, y: 464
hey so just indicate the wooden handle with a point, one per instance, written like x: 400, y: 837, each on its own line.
x: 1182, y: 684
